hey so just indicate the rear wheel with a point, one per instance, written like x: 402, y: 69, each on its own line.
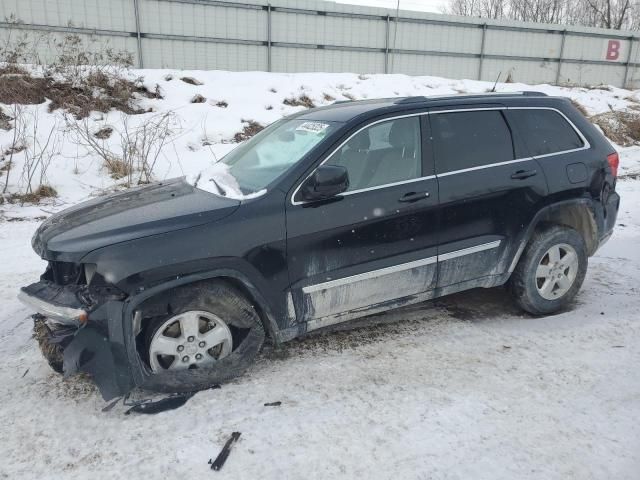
x: 212, y: 334
x: 550, y: 271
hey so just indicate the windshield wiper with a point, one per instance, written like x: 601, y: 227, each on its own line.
x: 222, y: 191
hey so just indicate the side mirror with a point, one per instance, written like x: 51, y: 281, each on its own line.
x: 326, y: 182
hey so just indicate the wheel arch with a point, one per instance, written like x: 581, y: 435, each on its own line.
x: 234, y: 278
x: 578, y: 214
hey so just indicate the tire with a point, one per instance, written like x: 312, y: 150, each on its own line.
x: 532, y: 282
x: 217, y: 303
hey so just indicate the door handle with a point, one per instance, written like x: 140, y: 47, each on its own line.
x: 522, y: 174
x: 414, y: 197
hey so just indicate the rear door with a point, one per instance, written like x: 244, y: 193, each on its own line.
x: 376, y: 242
x: 489, y: 190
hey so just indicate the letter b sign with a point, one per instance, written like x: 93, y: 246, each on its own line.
x: 613, y: 50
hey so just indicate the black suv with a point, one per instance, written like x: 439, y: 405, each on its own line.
x: 324, y: 216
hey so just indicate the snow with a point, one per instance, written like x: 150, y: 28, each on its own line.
x: 202, y: 133
x: 464, y: 387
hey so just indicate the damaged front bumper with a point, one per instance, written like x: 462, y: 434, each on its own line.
x: 63, y: 314
x: 94, y: 341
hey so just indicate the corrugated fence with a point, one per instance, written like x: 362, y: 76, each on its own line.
x: 317, y: 36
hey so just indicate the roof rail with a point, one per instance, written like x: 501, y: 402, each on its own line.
x: 416, y: 99
x: 421, y: 98
x: 531, y: 93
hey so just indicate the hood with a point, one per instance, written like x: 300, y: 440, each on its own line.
x: 138, y: 212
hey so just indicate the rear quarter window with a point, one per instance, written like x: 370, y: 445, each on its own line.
x: 544, y: 131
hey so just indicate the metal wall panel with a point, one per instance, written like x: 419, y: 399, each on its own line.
x: 593, y: 48
x: 525, y: 71
x: 199, y: 20
x: 529, y: 44
x: 312, y: 35
x: 438, y: 66
x: 202, y: 55
x: 325, y: 30
x: 441, y: 38
x: 586, y: 74
x: 100, y: 14
x: 308, y: 60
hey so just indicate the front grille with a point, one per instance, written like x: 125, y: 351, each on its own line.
x: 65, y: 273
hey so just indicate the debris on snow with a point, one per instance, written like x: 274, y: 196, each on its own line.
x: 191, y: 81
x: 218, y: 463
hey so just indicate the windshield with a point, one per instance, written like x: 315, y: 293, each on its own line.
x: 259, y: 161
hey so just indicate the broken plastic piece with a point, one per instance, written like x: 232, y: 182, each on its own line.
x: 168, y: 403
x: 224, y: 453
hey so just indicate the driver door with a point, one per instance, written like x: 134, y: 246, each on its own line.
x: 374, y: 244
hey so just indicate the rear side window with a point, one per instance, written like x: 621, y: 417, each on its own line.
x: 470, y: 139
x: 545, y: 131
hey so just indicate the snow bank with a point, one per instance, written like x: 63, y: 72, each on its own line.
x: 226, y: 103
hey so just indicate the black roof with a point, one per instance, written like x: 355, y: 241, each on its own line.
x: 349, y: 110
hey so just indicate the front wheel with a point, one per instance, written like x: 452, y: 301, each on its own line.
x: 211, y: 334
x: 550, y: 271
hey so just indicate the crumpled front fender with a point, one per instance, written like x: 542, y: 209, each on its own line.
x: 98, y: 348
x: 91, y: 352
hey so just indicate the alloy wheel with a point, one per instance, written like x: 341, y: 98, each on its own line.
x: 557, y: 271
x: 192, y: 339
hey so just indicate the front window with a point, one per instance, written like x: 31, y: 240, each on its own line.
x: 382, y: 154
x: 253, y: 165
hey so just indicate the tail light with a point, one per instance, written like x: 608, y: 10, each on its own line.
x: 613, y: 160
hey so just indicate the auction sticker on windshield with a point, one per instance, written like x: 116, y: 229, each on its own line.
x: 313, y: 127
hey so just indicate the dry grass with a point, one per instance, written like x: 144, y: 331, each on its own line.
x: 12, y: 69
x: 606, y: 88
x: 95, y: 92
x: 117, y: 168
x: 4, y: 121
x: 248, y: 131
x: 103, y: 133
x: 222, y: 104
x: 623, y: 128
x: 301, y: 101
x: 328, y: 98
x: 40, y: 193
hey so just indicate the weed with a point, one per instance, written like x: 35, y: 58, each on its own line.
x: 250, y: 129
x: 301, y: 101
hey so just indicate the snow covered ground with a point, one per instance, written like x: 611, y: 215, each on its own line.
x: 465, y: 387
